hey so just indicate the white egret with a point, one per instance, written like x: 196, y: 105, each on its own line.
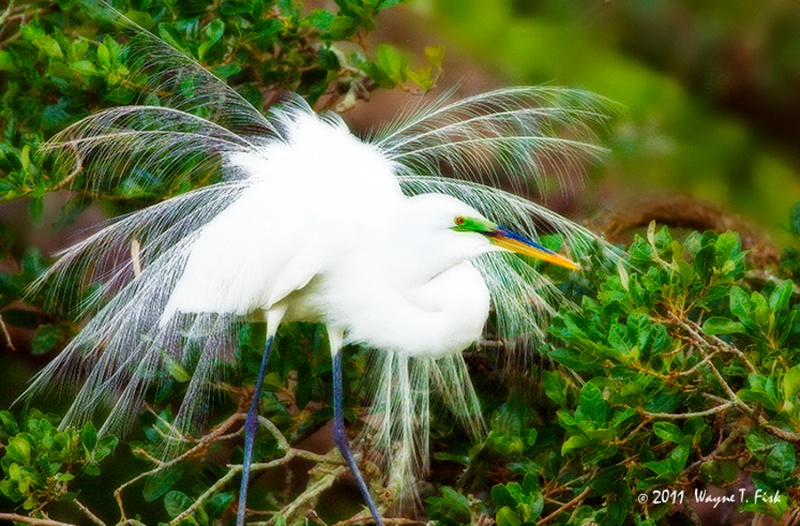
x: 307, y: 222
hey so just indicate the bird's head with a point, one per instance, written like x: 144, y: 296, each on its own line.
x: 445, y: 226
x: 508, y: 240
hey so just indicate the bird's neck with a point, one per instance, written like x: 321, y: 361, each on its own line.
x: 415, y: 261
x: 441, y: 316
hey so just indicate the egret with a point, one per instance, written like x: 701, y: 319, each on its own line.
x: 307, y: 222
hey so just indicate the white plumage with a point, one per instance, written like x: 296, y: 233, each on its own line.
x: 306, y: 196
x: 307, y: 222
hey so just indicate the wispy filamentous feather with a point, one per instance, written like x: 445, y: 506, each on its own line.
x: 516, y: 135
x: 513, y: 135
x: 400, y: 414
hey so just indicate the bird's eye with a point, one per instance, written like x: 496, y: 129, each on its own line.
x: 460, y: 220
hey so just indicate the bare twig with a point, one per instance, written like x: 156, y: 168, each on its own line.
x: 233, y: 471
x: 289, y: 454
x: 15, y: 517
x: 713, y: 341
x: 92, y: 517
x: 310, y: 493
x: 567, y: 505
x: 699, y: 364
x: 789, y: 436
x: 6, y: 335
x: 730, y: 439
x: 7, y: 12
x: 219, y: 433
x: 680, y: 416
x: 362, y: 519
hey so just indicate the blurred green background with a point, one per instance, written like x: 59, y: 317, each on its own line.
x: 707, y: 91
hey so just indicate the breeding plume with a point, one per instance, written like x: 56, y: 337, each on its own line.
x: 399, y: 242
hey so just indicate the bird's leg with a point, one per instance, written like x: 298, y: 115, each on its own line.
x: 340, y: 434
x: 250, y: 429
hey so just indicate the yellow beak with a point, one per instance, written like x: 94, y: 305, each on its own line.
x: 520, y: 244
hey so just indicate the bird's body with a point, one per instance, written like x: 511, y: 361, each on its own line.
x: 309, y: 223
x: 391, y: 303
x: 306, y: 196
x: 335, y: 249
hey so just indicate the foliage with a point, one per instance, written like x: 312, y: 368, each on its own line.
x: 40, y: 461
x: 60, y: 61
x: 679, y: 375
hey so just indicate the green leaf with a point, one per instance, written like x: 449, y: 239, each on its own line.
x: 726, y: 247
x: 669, y: 468
x: 791, y: 383
x: 391, y: 62
x: 105, y: 447
x: 320, y: 18
x: 452, y: 505
x: 720, y: 472
x: 142, y: 18
x: 721, y: 325
x: 575, y: 442
x: 779, y: 299
x: 741, y: 307
x: 211, y: 35
x: 176, y: 502
x: 89, y: 436
x: 780, y: 464
x: 501, y: 496
x: 555, y: 387
x: 49, y: 46
x: 668, y: 432
x: 32, y: 31
x: 172, y: 36
x: 226, y: 70
x: 592, y: 404
x: 33, y: 263
x: 77, y: 50
x: 608, y: 480
x: 86, y: 68
x: 762, y: 391
x: 46, y: 339
x: 435, y: 55
x: 220, y: 502
x: 64, y: 477
x: 7, y: 61
x: 759, y: 443
x: 55, y: 116
x: 177, y: 370
x: 159, y: 484
x: 507, y: 517
x: 19, y: 449
x: 341, y: 27
x: 9, y: 423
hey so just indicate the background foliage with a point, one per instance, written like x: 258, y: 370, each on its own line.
x: 674, y: 384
